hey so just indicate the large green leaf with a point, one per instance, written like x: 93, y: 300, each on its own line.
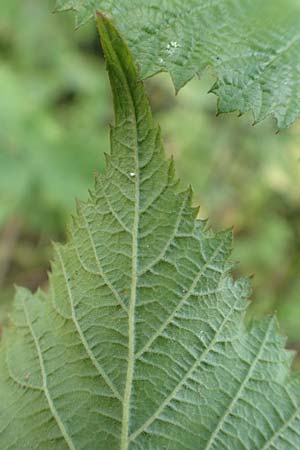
x: 140, y: 343
x: 253, y: 47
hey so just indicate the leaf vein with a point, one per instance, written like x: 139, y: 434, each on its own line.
x: 240, y: 390
x: 118, y: 298
x: 53, y: 410
x: 175, y: 391
x: 84, y: 342
x: 181, y: 303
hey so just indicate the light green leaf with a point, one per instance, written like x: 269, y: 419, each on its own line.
x: 140, y: 343
x: 252, y: 47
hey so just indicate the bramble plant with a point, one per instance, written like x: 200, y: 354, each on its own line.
x: 140, y: 342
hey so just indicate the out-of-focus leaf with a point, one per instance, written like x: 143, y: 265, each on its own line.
x: 253, y: 47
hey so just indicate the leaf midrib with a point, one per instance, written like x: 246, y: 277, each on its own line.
x: 134, y: 275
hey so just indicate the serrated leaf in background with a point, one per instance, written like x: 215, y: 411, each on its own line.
x: 252, y: 47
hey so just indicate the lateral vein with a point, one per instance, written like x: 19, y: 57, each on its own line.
x: 53, y: 410
x: 94, y: 361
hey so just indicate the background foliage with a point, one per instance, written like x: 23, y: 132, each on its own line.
x: 54, y: 114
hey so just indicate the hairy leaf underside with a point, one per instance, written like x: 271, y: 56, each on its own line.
x: 140, y: 342
x: 252, y: 46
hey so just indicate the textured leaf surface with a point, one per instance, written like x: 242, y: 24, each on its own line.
x: 140, y: 343
x: 253, y: 47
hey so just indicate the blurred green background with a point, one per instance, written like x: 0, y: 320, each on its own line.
x: 55, y: 109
